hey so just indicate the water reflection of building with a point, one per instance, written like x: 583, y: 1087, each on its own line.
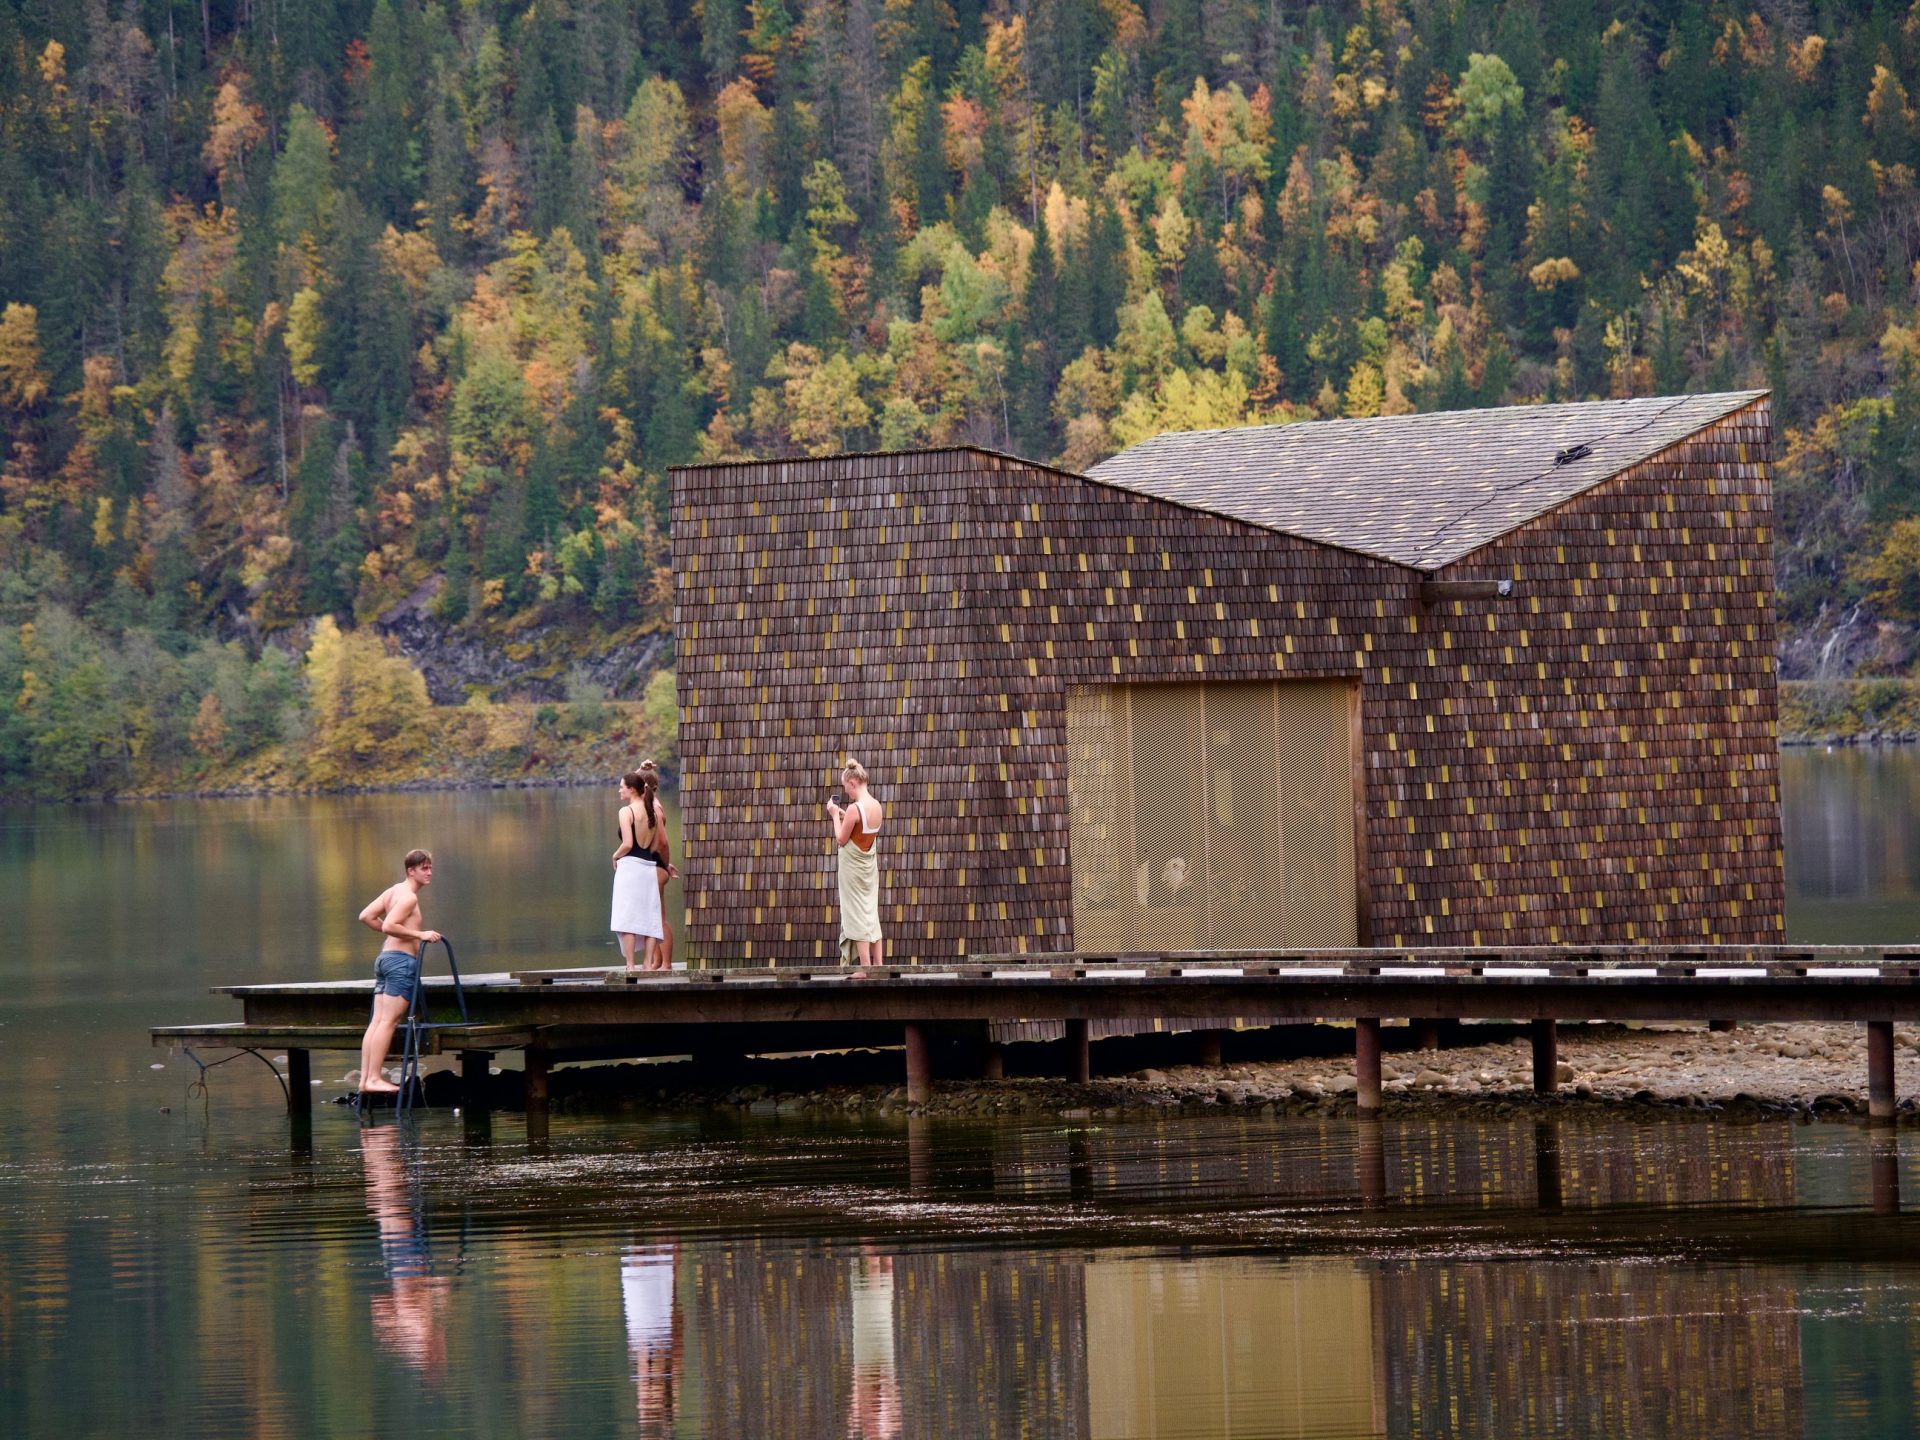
x: 1522, y: 1348
x: 1230, y: 1346
x: 774, y: 1337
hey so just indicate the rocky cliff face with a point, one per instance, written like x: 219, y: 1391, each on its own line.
x: 531, y: 663
x: 1847, y: 642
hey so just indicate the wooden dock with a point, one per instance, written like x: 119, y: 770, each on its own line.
x: 556, y: 1016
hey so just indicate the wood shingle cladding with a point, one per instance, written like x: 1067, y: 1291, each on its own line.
x: 1591, y: 759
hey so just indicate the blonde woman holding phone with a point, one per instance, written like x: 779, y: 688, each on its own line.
x: 856, y: 830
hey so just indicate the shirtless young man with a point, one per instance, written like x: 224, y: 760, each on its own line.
x: 396, y: 973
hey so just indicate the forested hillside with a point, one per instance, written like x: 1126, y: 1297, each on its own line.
x: 397, y: 312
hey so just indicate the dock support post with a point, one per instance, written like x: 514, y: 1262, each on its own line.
x: 1546, y: 1057
x: 993, y: 1061
x: 1079, y: 1054
x: 1880, y: 1097
x: 1366, y: 1065
x: 1212, y: 1044
x: 1426, y: 1034
x: 1370, y: 1160
x: 299, y: 1082
x: 919, y: 1065
x: 1885, y: 1171
x: 474, y: 1068
x: 1546, y: 1165
x: 536, y: 1092
x: 1723, y: 1027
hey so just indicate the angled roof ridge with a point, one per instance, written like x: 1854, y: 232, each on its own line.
x: 1744, y: 397
x: 1049, y: 468
x: 1425, y: 490
x: 960, y: 447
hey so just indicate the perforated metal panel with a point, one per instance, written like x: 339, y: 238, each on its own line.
x: 1211, y: 816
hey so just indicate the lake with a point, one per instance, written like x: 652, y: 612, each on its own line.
x: 170, y: 1264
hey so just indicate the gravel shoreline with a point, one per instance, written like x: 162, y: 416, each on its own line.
x: 1754, y: 1072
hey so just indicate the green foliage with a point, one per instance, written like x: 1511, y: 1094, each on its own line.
x: 660, y: 714
x: 406, y: 291
x: 586, y: 703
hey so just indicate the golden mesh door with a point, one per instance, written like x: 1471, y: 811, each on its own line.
x: 1245, y: 865
x: 1097, y: 825
x: 1315, y: 765
x: 1211, y: 816
x: 1166, y: 755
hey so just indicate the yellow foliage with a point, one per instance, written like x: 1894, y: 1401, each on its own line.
x: 412, y: 259
x: 53, y: 66
x: 303, y: 336
x: 22, y: 383
x: 369, y: 707
x: 1887, y: 105
x: 1366, y: 391
x: 237, y: 127
x: 208, y: 733
x: 1187, y: 400
x: 1891, y: 574
x: 1804, y: 59
x: 1557, y: 271
x: 746, y: 137
x: 1066, y: 220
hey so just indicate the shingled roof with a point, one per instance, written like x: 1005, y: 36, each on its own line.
x: 1420, y: 490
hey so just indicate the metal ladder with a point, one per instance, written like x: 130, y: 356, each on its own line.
x: 417, y: 1021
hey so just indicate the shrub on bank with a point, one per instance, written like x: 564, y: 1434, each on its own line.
x: 1830, y: 711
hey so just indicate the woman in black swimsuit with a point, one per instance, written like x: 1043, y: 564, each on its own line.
x: 636, y: 893
x: 663, y: 852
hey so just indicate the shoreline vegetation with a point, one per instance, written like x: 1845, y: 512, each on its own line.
x: 369, y: 730
x: 1855, y: 711
x: 353, y: 715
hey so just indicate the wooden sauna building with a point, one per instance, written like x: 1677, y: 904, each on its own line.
x: 1484, y: 678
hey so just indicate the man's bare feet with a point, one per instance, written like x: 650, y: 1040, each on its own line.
x: 378, y: 1087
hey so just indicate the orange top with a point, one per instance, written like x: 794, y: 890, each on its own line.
x: 861, y: 836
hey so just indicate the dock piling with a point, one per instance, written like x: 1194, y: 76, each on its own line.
x: 1211, y: 1047
x: 1366, y: 1064
x: 919, y: 1065
x: 536, y: 1092
x: 993, y: 1061
x: 1546, y: 1057
x: 474, y: 1068
x: 299, y: 1082
x: 1884, y: 1162
x: 1426, y: 1034
x: 1079, y: 1052
x: 1880, y: 1096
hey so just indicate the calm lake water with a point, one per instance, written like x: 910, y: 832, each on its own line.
x: 171, y: 1265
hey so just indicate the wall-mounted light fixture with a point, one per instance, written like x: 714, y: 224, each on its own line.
x: 1436, y: 592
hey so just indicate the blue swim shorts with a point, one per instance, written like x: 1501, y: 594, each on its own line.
x: 395, y: 972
